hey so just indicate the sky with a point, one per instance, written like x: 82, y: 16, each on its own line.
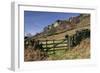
x: 35, y: 21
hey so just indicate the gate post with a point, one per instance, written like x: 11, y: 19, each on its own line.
x: 68, y: 38
x: 53, y: 46
x: 69, y: 41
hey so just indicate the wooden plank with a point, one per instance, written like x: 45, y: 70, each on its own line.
x: 51, y: 40
x: 54, y: 47
x: 53, y: 43
x: 55, y: 50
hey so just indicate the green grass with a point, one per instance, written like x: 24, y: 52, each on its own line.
x: 59, y: 55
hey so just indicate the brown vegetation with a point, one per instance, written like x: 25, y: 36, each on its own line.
x: 34, y: 55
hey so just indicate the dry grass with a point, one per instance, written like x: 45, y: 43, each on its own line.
x: 81, y: 51
x: 62, y: 35
x: 34, y: 55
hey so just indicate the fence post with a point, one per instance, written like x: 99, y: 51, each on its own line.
x: 69, y: 41
x: 46, y: 46
x: 66, y: 40
x: 46, y: 43
x: 53, y: 46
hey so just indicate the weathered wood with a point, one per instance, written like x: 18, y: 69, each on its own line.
x: 69, y: 42
x: 48, y: 47
x: 53, y: 46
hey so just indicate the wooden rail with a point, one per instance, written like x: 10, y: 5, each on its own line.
x: 54, y: 45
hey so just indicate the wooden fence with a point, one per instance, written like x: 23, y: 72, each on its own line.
x: 54, y: 45
x: 62, y: 44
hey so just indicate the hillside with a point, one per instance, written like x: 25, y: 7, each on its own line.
x: 83, y: 24
x: 51, y: 44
